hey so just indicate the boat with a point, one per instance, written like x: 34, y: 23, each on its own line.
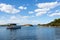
x: 14, y: 27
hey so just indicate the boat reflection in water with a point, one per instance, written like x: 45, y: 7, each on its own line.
x: 13, y: 26
x: 13, y: 34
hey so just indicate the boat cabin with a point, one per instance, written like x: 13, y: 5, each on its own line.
x: 11, y: 25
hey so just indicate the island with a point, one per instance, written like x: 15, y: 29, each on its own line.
x: 27, y: 25
x: 54, y: 23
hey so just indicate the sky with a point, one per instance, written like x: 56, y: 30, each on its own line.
x: 29, y: 11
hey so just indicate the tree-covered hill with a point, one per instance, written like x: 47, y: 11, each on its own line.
x: 56, y: 22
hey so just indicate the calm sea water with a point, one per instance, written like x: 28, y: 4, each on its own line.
x: 29, y: 33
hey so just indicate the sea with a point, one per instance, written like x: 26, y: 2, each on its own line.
x: 30, y: 33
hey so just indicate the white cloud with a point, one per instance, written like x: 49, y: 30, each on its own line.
x: 40, y: 12
x: 54, y: 14
x: 22, y: 7
x: 43, y: 8
x: 47, y: 5
x: 57, y: 11
x: 13, y: 19
x: 36, y: 22
x: 25, y: 17
x: 31, y: 12
x: 8, y: 8
x: 18, y: 19
x: 2, y: 22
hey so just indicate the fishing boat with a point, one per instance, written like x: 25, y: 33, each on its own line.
x: 13, y: 26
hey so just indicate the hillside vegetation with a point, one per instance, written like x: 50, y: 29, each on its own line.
x: 56, y: 22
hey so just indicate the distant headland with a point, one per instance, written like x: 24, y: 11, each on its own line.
x: 55, y: 22
x: 27, y: 25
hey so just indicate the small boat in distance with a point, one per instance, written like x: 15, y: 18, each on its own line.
x: 13, y: 26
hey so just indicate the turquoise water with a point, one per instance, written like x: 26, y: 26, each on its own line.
x: 28, y: 33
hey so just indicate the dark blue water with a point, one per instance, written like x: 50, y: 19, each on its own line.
x: 28, y: 33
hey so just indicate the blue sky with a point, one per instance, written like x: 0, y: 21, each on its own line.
x: 29, y: 11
